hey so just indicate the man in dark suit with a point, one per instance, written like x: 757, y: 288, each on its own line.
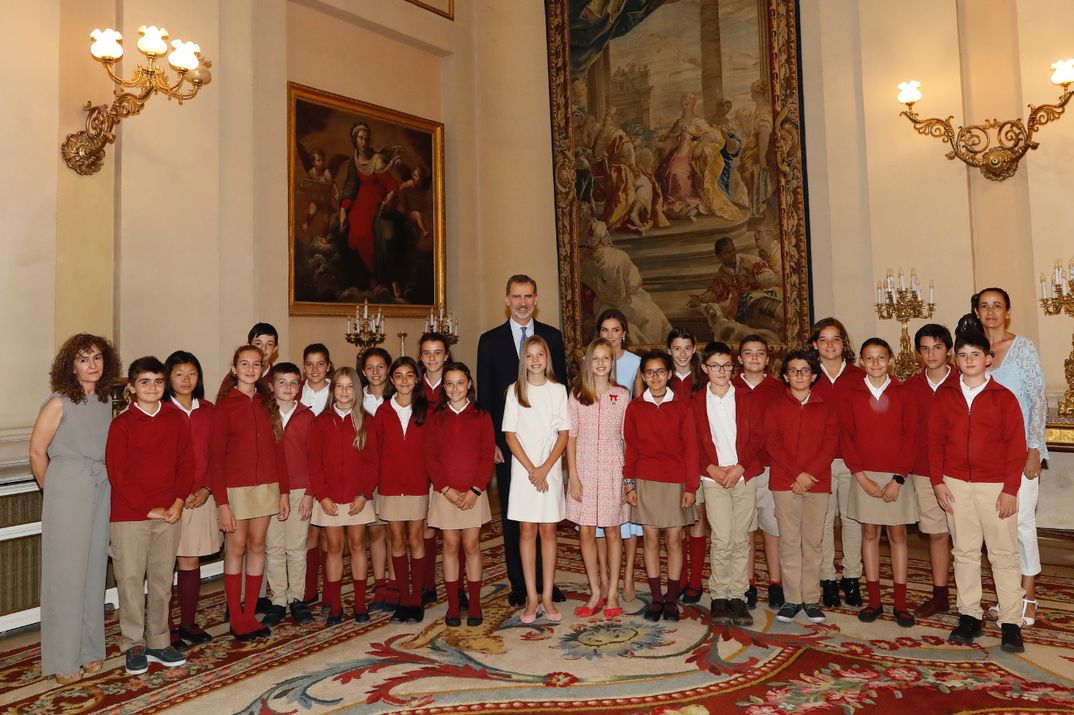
x: 497, y: 369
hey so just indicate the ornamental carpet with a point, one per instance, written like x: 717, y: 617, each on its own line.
x: 624, y: 665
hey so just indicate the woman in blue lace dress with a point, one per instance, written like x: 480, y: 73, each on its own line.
x: 1016, y: 366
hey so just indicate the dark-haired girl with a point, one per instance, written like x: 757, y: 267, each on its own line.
x: 403, y: 483
x: 372, y: 366
x: 67, y: 450
x: 879, y: 431
x: 199, y: 535
x: 249, y: 477
x: 459, y: 449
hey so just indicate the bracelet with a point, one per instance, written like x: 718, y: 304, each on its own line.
x: 475, y: 490
x: 630, y: 482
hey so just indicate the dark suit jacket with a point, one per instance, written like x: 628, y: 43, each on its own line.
x: 497, y: 366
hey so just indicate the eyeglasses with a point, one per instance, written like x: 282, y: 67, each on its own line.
x: 655, y: 372
x: 720, y: 367
x: 799, y: 371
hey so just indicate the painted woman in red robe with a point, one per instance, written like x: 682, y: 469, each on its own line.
x: 368, y: 189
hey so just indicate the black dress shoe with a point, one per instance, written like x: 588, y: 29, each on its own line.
x: 776, y: 599
x: 851, y: 591
x: 654, y: 611
x: 870, y: 613
x: 274, y: 615
x: 967, y: 629
x: 473, y: 621
x: 1012, y: 638
x: 263, y: 605
x: 464, y: 599
x: 263, y: 632
x: 334, y: 620
x: 452, y: 621
x: 751, y: 597
x: 399, y: 615
x: 361, y: 616
x: 830, y: 591
x: 300, y: 612
x: 194, y: 635
x: 721, y: 616
x: 517, y: 598
x: 244, y: 637
x: 557, y: 595
x: 428, y: 596
x: 415, y: 614
x: 671, y: 611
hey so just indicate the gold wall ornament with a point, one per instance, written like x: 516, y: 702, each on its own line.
x: 1056, y: 298
x: 994, y: 147
x: 83, y: 151
x: 896, y: 299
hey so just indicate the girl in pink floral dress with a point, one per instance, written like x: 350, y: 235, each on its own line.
x: 595, y: 465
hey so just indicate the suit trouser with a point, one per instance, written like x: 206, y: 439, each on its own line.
x: 974, y: 520
x: 801, y: 528
x: 285, y: 554
x: 511, y: 554
x: 144, y: 551
x: 729, y: 512
x: 849, y: 529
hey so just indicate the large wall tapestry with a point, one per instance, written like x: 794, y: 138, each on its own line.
x: 679, y: 167
x: 366, y: 206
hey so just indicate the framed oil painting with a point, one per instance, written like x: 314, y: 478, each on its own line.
x: 366, y: 206
x: 444, y: 8
x: 679, y: 168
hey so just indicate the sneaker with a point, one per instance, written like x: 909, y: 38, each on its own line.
x: 274, y: 615
x: 751, y: 597
x: 967, y: 629
x: 870, y: 613
x: 775, y: 596
x: 813, y: 613
x: 300, y: 612
x: 136, y: 660
x: 1012, y: 638
x: 721, y: 616
x: 830, y: 590
x: 788, y: 611
x: 851, y: 591
x: 905, y: 619
x: 740, y: 615
x: 168, y: 657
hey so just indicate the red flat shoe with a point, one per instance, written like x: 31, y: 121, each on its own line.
x: 613, y: 612
x: 587, y: 612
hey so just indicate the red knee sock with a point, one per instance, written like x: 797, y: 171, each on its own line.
x: 233, y: 596
x: 359, y: 595
x: 673, y: 590
x: 332, y: 597
x: 430, y: 563
x: 378, y: 590
x: 452, y: 588
x: 941, y: 594
x: 654, y: 589
x: 391, y: 594
x: 900, y: 596
x: 874, y: 593
x: 684, y: 575
x: 313, y: 568
x: 189, y: 590
x: 462, y: 567
x: 402, y: 579
x: 697, y: 559
x: 474, y: 587
x: 249, y: 606
x: 418, y: 570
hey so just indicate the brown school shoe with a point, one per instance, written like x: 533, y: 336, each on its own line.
x: 740, y: 615
x: 931, y: 607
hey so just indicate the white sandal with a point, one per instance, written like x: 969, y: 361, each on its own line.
x: 1027, y: 621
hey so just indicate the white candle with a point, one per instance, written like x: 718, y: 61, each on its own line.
x: 902, y: 281
x: 1058, y: 271
x: 932, y: 289
x: 879, y: 293
x: 1043, y: 287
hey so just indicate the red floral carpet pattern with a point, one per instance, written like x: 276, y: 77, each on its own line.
x: 622, y: 665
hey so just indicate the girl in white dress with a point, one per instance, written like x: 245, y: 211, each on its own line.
x: 536, y: 425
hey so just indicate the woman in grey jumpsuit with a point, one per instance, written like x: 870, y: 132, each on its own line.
x: 67, y: 455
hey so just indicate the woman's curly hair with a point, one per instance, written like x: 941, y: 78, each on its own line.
x: 62, y: 376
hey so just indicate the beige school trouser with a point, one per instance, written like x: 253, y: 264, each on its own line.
x: 801, y: 529
x: 729, y: 512
x: 850, y: 529
x: 974, y: 520
x: 144, y: 551
x: 285, y: 554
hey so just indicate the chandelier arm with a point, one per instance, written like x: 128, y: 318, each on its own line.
x: 136, y: 79
x: 1041, y: 115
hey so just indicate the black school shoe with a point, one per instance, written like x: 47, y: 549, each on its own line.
x: 671, y: 611
x: 1012, y: 638
x: 967, y: 629
x: 830, y: 590
x: 473, y: 621
x: 776, y: 599
x: 870, y: 614
x: 516, y: 598
x: 428, y: 596
x: 740, y: 615
x: 361, y: 616
x: 334, y: 620
x: 851, y: 591
x: 194, y: 635
x: 263, y: 605
x: 654, y: 611
x: 300, y: 612
x: 414, y: 614
x: 751, y: 597
x: 721, y: 616
x: 690, y: 595
x: 905, y: 619
x: 557, y: 595
x: 274, y: 615
x: 452, y: 621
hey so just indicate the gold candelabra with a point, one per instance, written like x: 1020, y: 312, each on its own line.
x: 365, y: 330
x: 1056, y: 298
x: 447, y: 325
x: 896, y: 299
x: 83, y: 151
x: 997, y: 158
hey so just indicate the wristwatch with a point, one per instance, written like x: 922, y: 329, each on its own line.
x: 475, y: 490
x: 898, y: 479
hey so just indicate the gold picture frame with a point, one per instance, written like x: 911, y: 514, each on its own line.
x: 365, y: 207
x: 443, y: 8
x: 612, y: 107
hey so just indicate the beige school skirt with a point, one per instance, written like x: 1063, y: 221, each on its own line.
x: 402, y: 508
x: 199, y: 530
x: 366, y: 516
x: 445, y: 515
x: 659, y: 506
x: 252, y: 502
x: 872, y: 510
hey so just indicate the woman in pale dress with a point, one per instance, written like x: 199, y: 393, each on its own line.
x: 595, y: 465
x: 67, y: 447
x: 536, y: 424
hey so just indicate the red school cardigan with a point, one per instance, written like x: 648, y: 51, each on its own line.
x: 661, y: 442
x: 833, y: 393
x: 150, y: 462
x: 460, y: 448
x: 924, y: 397
x: 403, y: 471
x: 201, y: 427
x: 296, y: 446
x: 801, y: 438
x: 762, y: 394
x: 985, y: 443
x: 749, y: 437
x: 338, y: 471
x: 879, y: 435
x: 243, y: 451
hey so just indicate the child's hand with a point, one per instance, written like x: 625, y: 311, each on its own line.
x: 200, y: 497
x: 357, y: 504
x: 944, y: 497
x: 227, y: 519
x: 497, y: 456
x: 175, y: 512
x: 575, y: 487
x: 890, y: 492
x: 798, y: 488
x: 538, y: 475
x: 305, y: 507
x: 157, y: 512
x: 868, y: 485
x: 688, y: 497
x: 468, y: 500
x: 329, y: 507
x: 285, y: 508
x: 632, y: 497
x: 453, y: 496
x: 541, y: 485
x: 1006, y: 505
